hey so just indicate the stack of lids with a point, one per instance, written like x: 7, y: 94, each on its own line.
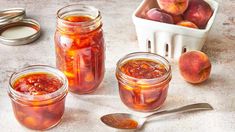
x: 15, y: 29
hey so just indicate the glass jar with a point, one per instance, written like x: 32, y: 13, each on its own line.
x: 80, y: 49
x: 143, y: 94
x: 38, y: 112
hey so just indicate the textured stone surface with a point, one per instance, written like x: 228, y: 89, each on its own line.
x: 83, y: 112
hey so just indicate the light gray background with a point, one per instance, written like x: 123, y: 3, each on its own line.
x: 83, y: 112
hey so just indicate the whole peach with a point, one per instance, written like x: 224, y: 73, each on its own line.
x: 156, y: 14
x: 175, y: 7
x: 198, y: 12
x: 194, y: 66
x: 187, y: 24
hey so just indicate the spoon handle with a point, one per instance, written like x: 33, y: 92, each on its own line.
x: 192, y: 107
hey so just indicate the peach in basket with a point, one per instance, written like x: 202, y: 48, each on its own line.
x: 170, y: 40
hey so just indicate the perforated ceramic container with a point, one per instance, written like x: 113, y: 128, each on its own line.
x: 167, y: 39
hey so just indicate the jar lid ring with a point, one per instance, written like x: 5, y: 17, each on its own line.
x: 11, y: 15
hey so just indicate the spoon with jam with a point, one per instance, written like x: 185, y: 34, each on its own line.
x: 129, y: 121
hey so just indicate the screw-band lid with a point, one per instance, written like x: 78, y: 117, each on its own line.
x: 15, y: 30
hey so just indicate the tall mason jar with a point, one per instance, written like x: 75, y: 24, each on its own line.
x: 80, y: 49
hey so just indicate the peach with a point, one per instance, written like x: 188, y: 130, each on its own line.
x: 156, y: 14
x: 198, y: 12
x: 174, y: 7
x: 194, y: 66
x: 187, y: 24
x: 177, y: 18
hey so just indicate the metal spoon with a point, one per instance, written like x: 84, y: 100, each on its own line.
x: 128, y: 121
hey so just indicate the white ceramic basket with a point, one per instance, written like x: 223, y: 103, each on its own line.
x: 167, y: 39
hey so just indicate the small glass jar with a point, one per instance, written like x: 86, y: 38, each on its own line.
x: 80, y: 49
x: 143, y: 94
x: 38, y: 112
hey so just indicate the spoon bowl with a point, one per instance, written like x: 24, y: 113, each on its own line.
x: 123, y: 121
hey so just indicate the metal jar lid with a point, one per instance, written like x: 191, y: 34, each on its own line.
x: 15, y: 30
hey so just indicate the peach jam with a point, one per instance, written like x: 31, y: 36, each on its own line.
x: 79, y: 46
x: 38, y: 96
x: 143, y: 80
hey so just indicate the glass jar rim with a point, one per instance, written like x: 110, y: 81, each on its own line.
x: 41, y: 68
x: 166, y: 76
x: 80, y: 6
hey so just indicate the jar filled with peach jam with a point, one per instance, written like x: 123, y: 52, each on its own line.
x: 38, y: 96
x: 143, y: 80
x: 80, y: 49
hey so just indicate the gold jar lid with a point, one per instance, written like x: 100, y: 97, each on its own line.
x: 15, y: 29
